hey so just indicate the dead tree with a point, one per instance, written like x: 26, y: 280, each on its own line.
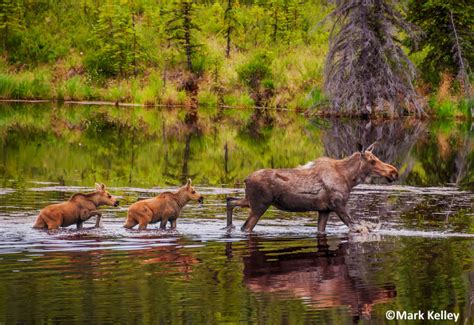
x: 366, y: 70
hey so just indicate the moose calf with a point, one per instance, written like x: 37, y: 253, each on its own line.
x: 79, y: 208
x: 164, y: 207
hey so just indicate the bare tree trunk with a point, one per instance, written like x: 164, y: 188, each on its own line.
x: 275, y: 23
x: 462, y: 69
x: 134, y: 46
x: 187, y: 35
x: 5, y: 37
x: 229, y: 27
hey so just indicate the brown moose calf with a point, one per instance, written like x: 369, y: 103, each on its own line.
x: 79, y: 208
x: 164, y: 207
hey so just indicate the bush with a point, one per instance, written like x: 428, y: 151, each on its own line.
x: 256, y: 70
x: 257, y: 75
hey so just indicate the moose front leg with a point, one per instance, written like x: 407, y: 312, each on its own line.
x: 98, y: 222
x: 346, y: 218
x: 86, y: 215
x: 322, y: 220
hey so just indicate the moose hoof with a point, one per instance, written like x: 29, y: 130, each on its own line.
x: 365, y: 227
x: 229, y: 228
x: 362, y: 229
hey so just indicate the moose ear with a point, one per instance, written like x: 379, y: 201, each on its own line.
x: 371, y: 147
x: 102, y: 186
x: 98, y: 187
x: 360, y: 148
x: 188, y: 183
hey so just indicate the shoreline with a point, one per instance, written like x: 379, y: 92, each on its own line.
x: 306, y: 112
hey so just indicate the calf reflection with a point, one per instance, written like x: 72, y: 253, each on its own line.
x: 323, y: 278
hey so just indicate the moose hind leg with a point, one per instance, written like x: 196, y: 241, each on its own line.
x: 233, y: 202
x: 40, y: 223
x: 254, y: 215
x: 130, y: 223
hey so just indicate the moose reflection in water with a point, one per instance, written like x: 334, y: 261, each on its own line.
x: 322, y: 185
x: 323, y: 278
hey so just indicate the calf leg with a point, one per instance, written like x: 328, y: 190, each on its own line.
x: 173, y: 223
x: 97, y: 213
x: 163, y: 223
x: 39, y: 223
x: 53, y: 225
x: 322, y: 220
x: 233, y: 202
x: 79, y: 224
x: 130, y: 223
x: 142, y: 224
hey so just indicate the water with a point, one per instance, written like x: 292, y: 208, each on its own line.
x: 421, y: 258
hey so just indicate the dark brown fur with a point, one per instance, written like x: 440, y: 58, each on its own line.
x: 323, y: 185
x: 79, y: 208
x: 164, y: 207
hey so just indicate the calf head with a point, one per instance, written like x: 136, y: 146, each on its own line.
x: 104, y: 197
x: 191, y: 193
x: 373, y: 166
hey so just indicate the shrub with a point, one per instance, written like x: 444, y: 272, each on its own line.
x: 257, y: 75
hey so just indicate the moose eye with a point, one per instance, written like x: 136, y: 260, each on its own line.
x: 372, y: 162
x: 109, y: 196
x: 193, y: 192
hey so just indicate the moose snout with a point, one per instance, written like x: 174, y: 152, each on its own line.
x: 201, y: 199
x: 393, y: 176
x: 116, y: 203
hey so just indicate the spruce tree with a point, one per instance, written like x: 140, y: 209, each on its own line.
x: 366, y: 70
x: 447, y: 36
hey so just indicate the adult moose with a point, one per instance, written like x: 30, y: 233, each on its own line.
x: 322, y: 185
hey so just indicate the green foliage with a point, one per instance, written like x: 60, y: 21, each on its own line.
x: 256, y: 70
x: 449, y: 109
x: 116, y: 45
x: 136, y: 50
x: 438, y: 39
x: 181, y: 30
x: 11, y: 20
x: 26, y: 86
x: 257, y: 75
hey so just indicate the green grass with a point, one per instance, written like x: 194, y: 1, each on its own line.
x: 451, y: 109
x: 26, y: 85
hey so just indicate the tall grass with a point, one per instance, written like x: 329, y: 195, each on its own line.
x: 26, y: 85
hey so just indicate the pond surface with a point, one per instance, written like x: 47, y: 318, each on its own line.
x: 422, y: 258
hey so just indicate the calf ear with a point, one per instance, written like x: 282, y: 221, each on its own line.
x: 360, y: 148
x: 100, y: 187
x: 188, y: 183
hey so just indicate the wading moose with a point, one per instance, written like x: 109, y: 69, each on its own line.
x: 165, y: 207
x: 79, y: 208
x: 322, y: 185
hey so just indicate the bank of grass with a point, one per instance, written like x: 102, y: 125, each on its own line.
x: 449, y: 100
x: 297, y: 76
